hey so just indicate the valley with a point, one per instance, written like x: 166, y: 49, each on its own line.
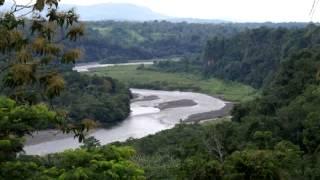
x: 151, y: 110
x: 134, y: 77
x: 155, y: 90
x: 146, y: 118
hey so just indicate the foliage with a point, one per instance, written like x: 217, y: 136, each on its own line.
x: 17, y: 121
x: 24, y: 72
x: 31, y: 63
x: 102, y: 99
x: 90, y: 143
x: 153, y: 79
x: 30, y: 48
x: 108, y: 162
x: 120, y: 41
x: 253, y: 56
x: 188, y: 152
x: 187, y: 64
x: 275, y: 136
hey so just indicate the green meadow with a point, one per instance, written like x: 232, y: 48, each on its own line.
x: 151, y: 79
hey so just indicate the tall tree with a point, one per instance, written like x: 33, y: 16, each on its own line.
x: 30, y: 53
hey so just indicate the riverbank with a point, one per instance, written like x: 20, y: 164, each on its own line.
x: 47, y: 135
x: 53, y: 134
x: 177, y: 104
x: 149, y: 79
x: 154, y: 111
x: 225, y: 111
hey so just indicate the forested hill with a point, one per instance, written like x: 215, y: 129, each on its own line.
x: 276, y: 136
x: 253, y: 56
x: 113, y: 41
x: 102, y: 99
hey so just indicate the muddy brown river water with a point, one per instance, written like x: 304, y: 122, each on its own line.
x: 146, y: 118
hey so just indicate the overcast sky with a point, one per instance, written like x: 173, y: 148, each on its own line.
x: 236, y: 10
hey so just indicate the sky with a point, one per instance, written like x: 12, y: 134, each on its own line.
x: 233, y: 10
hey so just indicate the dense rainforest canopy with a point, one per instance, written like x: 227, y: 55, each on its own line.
x: 102, y: 99
x: 112, y: 41
x: 32, y: 79
x: 251, y: 57
x: 275, y: 136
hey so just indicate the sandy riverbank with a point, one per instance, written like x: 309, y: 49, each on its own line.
x: 49, y: 135
x: 152, y: 112
x: 225, y: 111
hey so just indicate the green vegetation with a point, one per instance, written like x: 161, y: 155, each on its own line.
x: 28, y: 70
x: 136, y: 77
x: 275, y: 136
x: 214, y: 152
x: 96, y: 163
x: 32, y: 77
x: 19, y: 120
x: 253, y: 57
x: 102, y: 99
x: 114, y: 41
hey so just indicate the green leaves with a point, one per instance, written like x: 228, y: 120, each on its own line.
x: 53, y: 83
x: 75, y: 32
x: 98, y: 163
x: 91, y: 143
x: 10, y: 22
x: 33, y: 57
x: 255, y: 164
x: 5, y: 144
x: 66, y: 19
x: 71, y: 56
x: 24, y: 56
x: 20, y: 74
x: 311, y: 132
x: 16, y: 121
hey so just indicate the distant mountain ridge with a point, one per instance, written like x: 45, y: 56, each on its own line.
x: 126, y: 12
x: 114, y: 11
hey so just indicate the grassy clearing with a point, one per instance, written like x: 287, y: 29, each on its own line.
x: 177, y: 81
x: 210, y: 122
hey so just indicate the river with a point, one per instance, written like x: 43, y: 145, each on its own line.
x: 151, y: 111
x: 87, y: 66
x: 146, y: 118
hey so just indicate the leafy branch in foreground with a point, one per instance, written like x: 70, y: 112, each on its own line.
x: 31, y: 51
x: 30, y: 55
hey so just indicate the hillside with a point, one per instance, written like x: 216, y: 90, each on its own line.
x: 251, y: 57
x: 275, y: 136
x: 115, y: 11
x: 127, y: 12
x: 271, y: 133
x: 111, y: 41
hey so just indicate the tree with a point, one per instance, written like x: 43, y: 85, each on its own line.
x: 311, y: 133
x: 100, y: 163
x: 254, y: 164
x: 30, y: 48
x: 90, y: 143
x: 30, y: 54
x: 17, y: 121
